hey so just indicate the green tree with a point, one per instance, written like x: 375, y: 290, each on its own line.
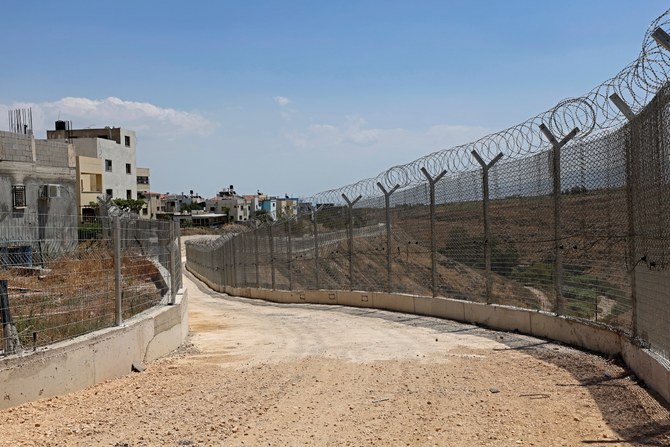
x: 133, y: 205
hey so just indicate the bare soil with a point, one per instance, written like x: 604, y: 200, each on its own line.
x: 257, y: 373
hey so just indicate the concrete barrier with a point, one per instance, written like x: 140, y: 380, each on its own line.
x: 396, y: 302
x: 93, y: 358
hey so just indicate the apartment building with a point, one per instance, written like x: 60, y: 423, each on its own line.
x: 114, y: 146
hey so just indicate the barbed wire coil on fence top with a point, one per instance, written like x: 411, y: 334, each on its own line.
x: 592, y: 113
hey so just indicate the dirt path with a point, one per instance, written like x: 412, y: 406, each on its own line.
x: 258, y: 373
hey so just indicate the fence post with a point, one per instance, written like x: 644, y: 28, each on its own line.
x: 229, y: 264
x: 558, y: 235
x: 244, y: 262
x: 233, y: 254
x: 433, y: 241
x: 272, y: 254
x: 387, y: 203
x: 316, y: 247
x: 632, y: 169
x: 176, y: 260
x: 257, y: 268
x: 289, y: 253
x: 12, y: 341
x: 116, y: 239
x: 487, y: 232
x: 177, y: 231
x: 351, y: 204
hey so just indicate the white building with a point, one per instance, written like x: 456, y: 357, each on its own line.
x: 114, y: 146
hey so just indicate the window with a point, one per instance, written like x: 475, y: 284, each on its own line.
x: 127, y: 140
x: 142, y: 180
x: 108, y: 165
x: 109, y: 192
x: 129, y: 194
x: 128, y: 169
x: 19, y: 196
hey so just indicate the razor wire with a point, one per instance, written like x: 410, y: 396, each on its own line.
x: 591, y: 113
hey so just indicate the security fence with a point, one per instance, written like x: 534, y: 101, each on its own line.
x: 63, y: 276
x: 567, y: 212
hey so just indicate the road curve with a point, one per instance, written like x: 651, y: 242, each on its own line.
x: 258, y: 373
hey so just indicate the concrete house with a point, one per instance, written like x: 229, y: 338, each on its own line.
x: 38, y: 196
x: 143, y: 193
x: 114, y: 146
x: 228, y: 202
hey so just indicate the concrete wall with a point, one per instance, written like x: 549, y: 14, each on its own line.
x: 649, y: 367
x: 76, y: 364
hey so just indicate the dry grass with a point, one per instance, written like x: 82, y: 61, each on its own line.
x: 74, y: 294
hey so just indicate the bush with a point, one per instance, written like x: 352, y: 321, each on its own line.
x: 90, y: 230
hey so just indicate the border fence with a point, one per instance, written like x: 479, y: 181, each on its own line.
x: 567, y: 212
x: 61, y: 276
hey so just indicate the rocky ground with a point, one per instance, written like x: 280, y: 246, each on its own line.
x: 257, y: 373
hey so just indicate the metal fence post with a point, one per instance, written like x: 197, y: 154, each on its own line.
x: 289, y: 254
x: 487, y: 232
x: 433, y: 237
x: 244, y: 262
x: 272, y: 254
x: 316, y: 248
x: 233, y: 254
x: 351, y: 204
x: 177, y: 233
x: 12, y: 343
x: 632, y: 173
x: 387, y: 203
x: 558, y: 235
x: 228, y: 263
x: 257, y: 268
x: 116, y: 238
x: 224, y: 265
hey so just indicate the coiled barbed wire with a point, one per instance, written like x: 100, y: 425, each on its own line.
x: 636, y: 84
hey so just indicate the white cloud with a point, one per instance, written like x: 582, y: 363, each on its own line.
x: 282, y: 100
x: 149, y: 118
x: 352, y: 137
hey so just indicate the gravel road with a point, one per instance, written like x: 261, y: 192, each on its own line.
x: 257, y: 373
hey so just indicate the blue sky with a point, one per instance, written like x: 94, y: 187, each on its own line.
x: 300, y: 96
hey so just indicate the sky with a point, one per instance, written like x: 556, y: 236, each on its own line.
x: 297, y: 97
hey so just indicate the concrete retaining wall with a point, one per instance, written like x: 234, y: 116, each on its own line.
x: 93, y: 358
x: 653, y: 370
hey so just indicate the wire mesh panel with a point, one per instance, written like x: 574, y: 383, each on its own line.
x: 333, y: 247
x: 522, y: 233
x: 302, y: 250
x: 566, y: 212
x: 369, y: 245
x: 648, y: 149
x: 60, y: 273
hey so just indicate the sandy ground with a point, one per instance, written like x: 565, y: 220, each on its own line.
x: 257, y: 373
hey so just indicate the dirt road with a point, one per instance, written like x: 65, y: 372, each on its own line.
x: 257, y: 373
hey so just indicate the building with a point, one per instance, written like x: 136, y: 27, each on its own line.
x: 89, y: 178
x: 228, y: 202
x: 38, y: 196
x: 269, y: 205
x: 114, y: 146
x: 287, y: 207
x: 143, y: 192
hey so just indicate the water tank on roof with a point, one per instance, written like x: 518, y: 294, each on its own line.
x: 60, y: 125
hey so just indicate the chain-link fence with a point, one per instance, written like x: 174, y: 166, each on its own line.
x: 61, y: 276
x: 567, y: 212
